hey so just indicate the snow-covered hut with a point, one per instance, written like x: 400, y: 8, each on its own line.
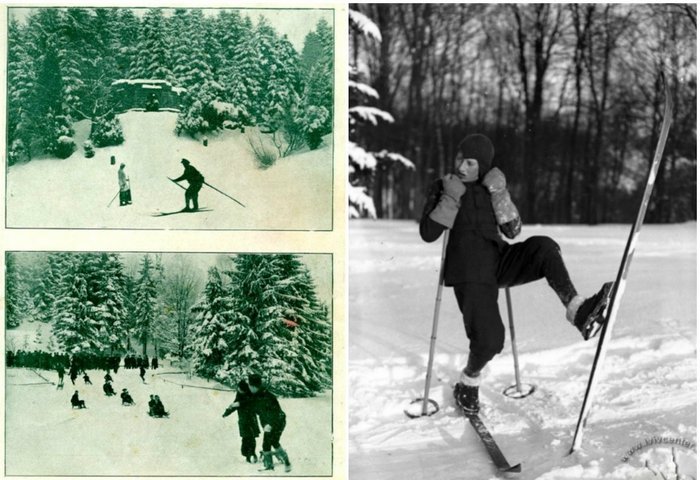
x: 145, y: 94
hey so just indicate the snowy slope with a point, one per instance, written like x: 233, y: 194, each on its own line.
x: 294, y: 194
x: 649, y: 389
x: 44, y: 436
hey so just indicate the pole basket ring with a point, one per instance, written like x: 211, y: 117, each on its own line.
x: 417, y: 412
x: 525, y: 390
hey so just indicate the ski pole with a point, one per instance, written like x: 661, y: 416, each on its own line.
x: 110, y: 202
x: 224, y: 194
x: 514, y: 347
x: 436, y: 316
x: 176, y: 183
x: 518, y: 387
x: 433, y: 336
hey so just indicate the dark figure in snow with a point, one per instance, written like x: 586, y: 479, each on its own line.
x: 154, y: 363
x: 152, y: 103
x: 86, y: 379
x: 273, y: 421
x: 108, y: 377
x: 473, y: 203
x: 156, y: 407
x: 61, y: 372
x: 107, y: 388
x: 142, y: 373
x: 73, y: 375
x: 247, y: 421
x: 126, y: 397
x: 75, y: 401
x: 196, y: 180
x: 124, y: 186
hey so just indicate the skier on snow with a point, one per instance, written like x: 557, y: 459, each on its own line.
x: 473, y: 203
x: 196, y: 180
x: 273, y: 420
x: 247, y: 421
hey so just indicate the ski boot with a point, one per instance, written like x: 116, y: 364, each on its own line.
x: 589, y: 315
x: 467, y: 398
x: 267, y: 461
x: 282, y: 456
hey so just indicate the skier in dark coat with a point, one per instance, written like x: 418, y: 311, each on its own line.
x: 273, y: 420
x: 196, y: 180
x: 61, y: 372
x: 86, y: 379
x: 142, y: 373
x: 75, y: 401
x: 474, y: 204
x: 247, y: 421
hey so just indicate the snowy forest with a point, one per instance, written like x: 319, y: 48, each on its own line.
x: 232, y: 72
x: 571, y: 94
x: 252, y: 313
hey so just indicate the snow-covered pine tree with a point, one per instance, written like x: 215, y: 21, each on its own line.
x: 20, y: 85
x: 128, y: 29
x: 362, y: 163
x: 152, y: 59
x: 241, y: 72
x: 55, y: 281
x: 272, y: 303
x: 108, y: 283
x: 18, y: 303
x: 210, y: 330
x: 146, y: 302
x: 317, y: 99
x: 77, y: 327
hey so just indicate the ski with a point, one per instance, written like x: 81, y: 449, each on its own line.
x: 165, y: 214
x: 618, y: 287
x: 491, y: 446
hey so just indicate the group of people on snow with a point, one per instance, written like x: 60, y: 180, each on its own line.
x: 256, y: 403
x: 193, y: 177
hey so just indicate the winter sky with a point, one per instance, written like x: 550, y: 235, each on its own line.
x: 295, y: 23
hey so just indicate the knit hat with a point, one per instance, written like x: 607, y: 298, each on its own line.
x: 184, y: 161
x: 479, y: 147
x: 254, y: 380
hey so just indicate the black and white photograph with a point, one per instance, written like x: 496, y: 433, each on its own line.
x: 168, y: 364
x: 522, y: 276
x: 170, y: 118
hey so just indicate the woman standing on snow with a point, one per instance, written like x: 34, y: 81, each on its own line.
x: 124, y: 186
x: 473, y: 203
x: 247, y: 421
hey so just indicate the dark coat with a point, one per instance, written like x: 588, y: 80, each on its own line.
x: 268, y: 409
x: 247, y: 420
x: 475, y: 244
x: 192, y: 175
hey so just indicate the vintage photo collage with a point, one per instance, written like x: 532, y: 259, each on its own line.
x: 174, y: 240
x: 368, y: 241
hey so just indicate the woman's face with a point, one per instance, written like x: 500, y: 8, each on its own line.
x: 467, y: 169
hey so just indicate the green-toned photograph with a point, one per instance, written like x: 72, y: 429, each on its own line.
x: 170, y: 118
x: 168, y: 364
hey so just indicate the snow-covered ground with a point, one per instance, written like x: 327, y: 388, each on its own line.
x: 648, y: 393
x: 294, y: 194
x: 44, y: 436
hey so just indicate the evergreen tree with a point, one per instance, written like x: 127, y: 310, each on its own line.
x: 152, y: 60
x: 210, y: 331
x: 55, y: 282
x: 20, y: 85
x: 274, y: 302
x: 18, y: 304
x: 146, y: 299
